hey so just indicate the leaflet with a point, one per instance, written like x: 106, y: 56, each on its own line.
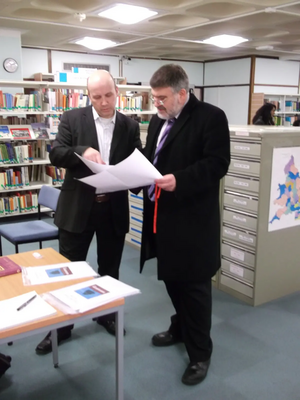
x: 57, y: 273
x: 22, y: 309
x: 88, y: 295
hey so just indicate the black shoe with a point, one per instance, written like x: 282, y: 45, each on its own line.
x: 109, y: 325
x: 45, y: 346
x: 165, y: 339
x: 195, y: 373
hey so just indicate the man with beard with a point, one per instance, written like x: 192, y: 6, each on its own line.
x: 188, y: 142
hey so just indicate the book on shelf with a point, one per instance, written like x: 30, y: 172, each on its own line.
x: 88, y: 295
x: 5, y: 132
x: 8, y: 267
x: 21, y: 133
x: 40, y: 130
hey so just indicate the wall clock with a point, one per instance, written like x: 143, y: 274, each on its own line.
x: 10, y: 65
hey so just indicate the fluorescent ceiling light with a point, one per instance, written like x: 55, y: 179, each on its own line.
x: 224, y: 41
x: 95, y: 43
x: 126, y: 14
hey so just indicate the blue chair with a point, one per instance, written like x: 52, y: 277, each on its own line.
x: 33, y: 231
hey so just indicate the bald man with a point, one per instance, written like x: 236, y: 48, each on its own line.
x: 101, y: 134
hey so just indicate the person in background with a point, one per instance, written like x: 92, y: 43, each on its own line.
x: 181, y: 225
x: 296, y: 122
x: 264, y: 115
x: 101, y: 134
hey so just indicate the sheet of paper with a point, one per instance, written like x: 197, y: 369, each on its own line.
x: 56, y: 272
x: 34, y: 310
x: 134, y: 171
x: 88, y: 295
x: 94, y: 167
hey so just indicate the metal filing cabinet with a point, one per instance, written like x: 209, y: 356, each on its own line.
x: 134, y: 236
x: 258, y: 265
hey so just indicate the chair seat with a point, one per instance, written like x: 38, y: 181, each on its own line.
x: 28, y: 231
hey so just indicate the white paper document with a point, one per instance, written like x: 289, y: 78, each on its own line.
x: 134, y: 171
x: 57, y: 272
x: 88, y: 295
x: 31, y: 307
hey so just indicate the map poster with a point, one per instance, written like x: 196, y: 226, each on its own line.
x: 284, y: 210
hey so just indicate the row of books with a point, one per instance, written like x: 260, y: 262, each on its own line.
x: 19, y: 153
x: 18, y: 203
x: 132, y: 103
x: 21, y: 102
x: 20, y: 177
x: 286, y: 121
x: 65, y: 99
x: 54, y: 175
x: 290, y: 105
x: 11, y: 119
x: 44, y: 100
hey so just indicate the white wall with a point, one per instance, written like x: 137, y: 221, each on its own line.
x: 140, y: 70
x: 60, y: 57
x: 10, y: 47
x: 34, y: 61
x: 233, y: 100
x: 276, y: 76
x: 231, y: 72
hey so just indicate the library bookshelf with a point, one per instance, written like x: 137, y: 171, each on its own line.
x: 44, y: 102
x: 287, y: 106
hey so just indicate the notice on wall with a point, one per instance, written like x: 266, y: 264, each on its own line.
x: 284, y: 209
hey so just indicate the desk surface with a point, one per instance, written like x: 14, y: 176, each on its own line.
x: 12, y: 285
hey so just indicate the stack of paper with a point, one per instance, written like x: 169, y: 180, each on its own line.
x: 22, y: 309
x: 88, y: 295
x: 135, y: 171
x: 57, y: 272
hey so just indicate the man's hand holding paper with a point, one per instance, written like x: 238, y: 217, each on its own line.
x: 134, y: 171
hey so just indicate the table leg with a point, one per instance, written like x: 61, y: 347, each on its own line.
x: 54, y: 348
x: 120, y: 353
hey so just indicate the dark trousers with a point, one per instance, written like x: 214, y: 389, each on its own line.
x: 192, y: 321
x: 75, y: 246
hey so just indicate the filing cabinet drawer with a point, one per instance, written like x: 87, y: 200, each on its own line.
x: 242, y: 220
x: 245, y: 149
x: 135, y: 208
x: 240, y: 202
x: 136, y: 198
x: 239, y: 255
x: 238, y: 271
x: 244, y: 167
x: 241, y: 184
x: 237, y: 285
x: 136, y: 220
x: 239, y: 236
x: 133, y: 240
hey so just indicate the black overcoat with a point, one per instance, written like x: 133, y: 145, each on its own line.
x: 197, y: 152
x: 77, y: 132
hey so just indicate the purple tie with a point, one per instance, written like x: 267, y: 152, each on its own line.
x: 151, y: 189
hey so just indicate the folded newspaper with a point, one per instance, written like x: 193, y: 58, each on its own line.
x: 88, y: 295
x: 57, y: 273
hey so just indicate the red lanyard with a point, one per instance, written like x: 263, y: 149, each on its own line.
x: 157, y: 195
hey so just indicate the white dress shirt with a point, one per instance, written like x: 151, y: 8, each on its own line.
x: 105, y: 128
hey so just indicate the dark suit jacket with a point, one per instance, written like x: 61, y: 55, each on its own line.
x: 197, y: 152
x: 77, y: 132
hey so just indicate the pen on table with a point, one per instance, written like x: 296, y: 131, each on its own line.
x: 26, y: 303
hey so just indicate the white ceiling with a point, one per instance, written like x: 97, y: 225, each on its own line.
x: 52, y: 24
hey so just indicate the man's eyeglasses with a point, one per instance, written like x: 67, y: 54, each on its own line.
x: 159, y: 100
